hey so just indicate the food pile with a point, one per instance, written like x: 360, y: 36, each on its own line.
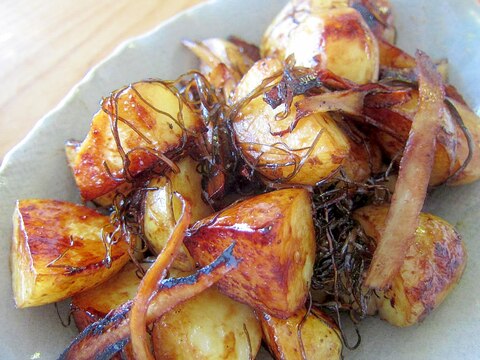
x: 259, y: 197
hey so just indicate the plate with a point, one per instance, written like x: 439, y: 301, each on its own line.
x: 36, y: 168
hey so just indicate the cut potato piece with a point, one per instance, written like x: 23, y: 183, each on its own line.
x: 301, y: 336
x: 208, y: 326
x: 432, y: 267
x: 148, y: 108
x: 58, y: 251
x: 275, y: 241
x: 163, y: 209
x: 325, y: 35
x: 303, y: 152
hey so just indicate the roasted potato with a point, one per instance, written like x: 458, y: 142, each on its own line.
x: 281, y: 151
x: 302, y: 336
x: 432, y: 267
x: 58, y: 251
x: 208, y: 326
x: 162, y: 208
x: 148, y: 108
x: 452, y: 145
x: 325, y: 35
x: 275, y: 241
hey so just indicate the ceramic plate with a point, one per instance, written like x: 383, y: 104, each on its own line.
x: 36, y: 168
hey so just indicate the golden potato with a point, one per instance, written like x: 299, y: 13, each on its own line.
x: 208, y: 326
x: 275, y: 241
x: 318, y: 337
x: 325, y: 35
x: 58, y: 251
x: 282, y: 152
x: 432, y: 267
x: 163, y: 209
x: 149, y: 108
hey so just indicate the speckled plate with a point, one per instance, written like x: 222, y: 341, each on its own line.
x: 36, y: 168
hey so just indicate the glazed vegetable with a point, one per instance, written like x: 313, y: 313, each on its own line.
x: 413, y: 178
x: 274, y: 240
x: 304, y: 335
x: 58, y: 250
x: 325, y: 34
x: 433, y: 265
x: 140, y: 127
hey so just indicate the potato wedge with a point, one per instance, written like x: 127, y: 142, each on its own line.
x: 326, y: 35
x: 149, y: 108
x: 71, y: 149
x: 433, y: 266
x: 303, y: 154
x: 162, y: 208
x: 275, y: 241
x: 301, y: 336
x: 208, y: 326
x: 58, y: 251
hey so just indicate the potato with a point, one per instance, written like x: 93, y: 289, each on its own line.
x: 319, y: 336
x: 452, y: 146
x: 143, y: 105
x: 326, y: 35
x: 58, y: 251
x: 432, y: 267
x: 275, y: 149
x: 163, y: 209
x: 71, y: 149
x: 275, y: 241
x: 378, y: 16
x: 208, y: 326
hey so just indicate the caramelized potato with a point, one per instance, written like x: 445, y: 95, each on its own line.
x: 282, y: 151
x: 275, y: 241
x: 208, y: 326
x: 162, y: 208
x: 326, y: 35
x: 432, y: 267
x: 93, y: 304
x: 71, y: 149
x: 452, y: 145
x: 145, y: 106
x: 318, y: 337
x: 58, y: 251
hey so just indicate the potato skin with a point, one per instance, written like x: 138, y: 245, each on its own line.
x: 275, y: 241
x: 275, y: 149
x: 325, y: 35
x: 208, y: 326
x: 99, y: 146
x: 43, y: 232
x: 432, y: 267
x: 319, y: 336
x: 163, y: 209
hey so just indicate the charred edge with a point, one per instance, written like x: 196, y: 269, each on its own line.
x: 112, y: 350
x: 98, y: 327
x: 226, y: 258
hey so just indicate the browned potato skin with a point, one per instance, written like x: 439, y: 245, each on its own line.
x: 43, y: 231
x: 274, y: 238
x: 163, y: 209
x: 319, y: 336
x: 99, y: 146
x: 452, y: 146
x: 208, y: 326
x: 432, y: 267
x: 318, y: 33
x: 256, y: 121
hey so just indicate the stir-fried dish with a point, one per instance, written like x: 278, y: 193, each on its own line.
x: 259, y: 198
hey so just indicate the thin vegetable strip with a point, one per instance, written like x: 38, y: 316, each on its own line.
x: 148, y: 286
x: 413, y: 178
